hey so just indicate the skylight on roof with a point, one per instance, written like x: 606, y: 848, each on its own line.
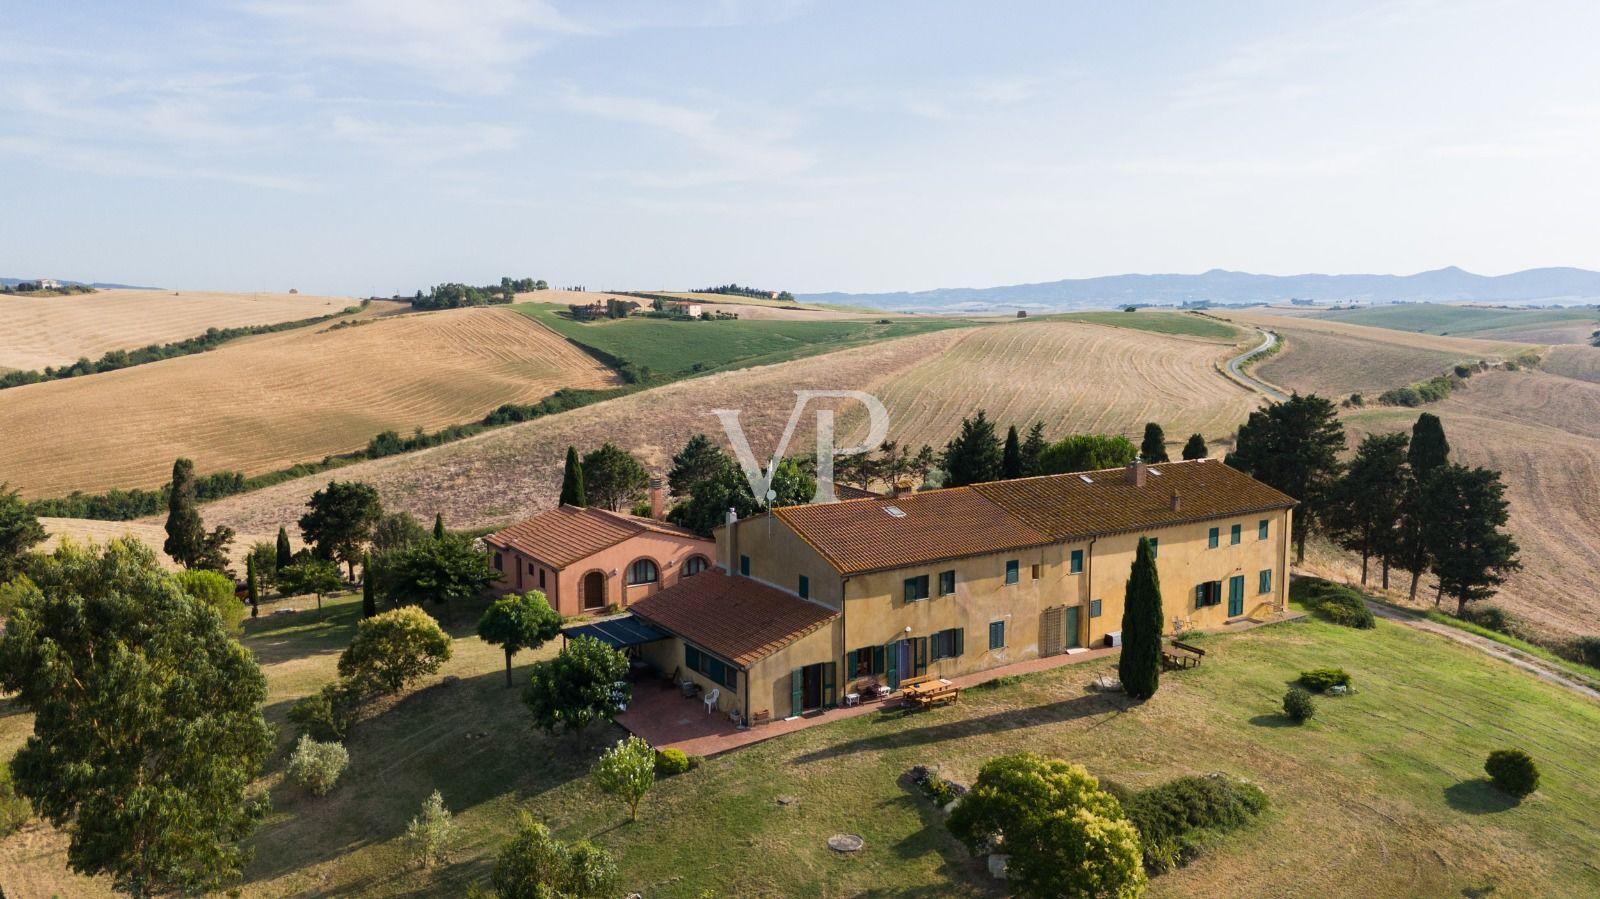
x: 1086, y: 479
x: 1153, y: 471
x: 895, y: 511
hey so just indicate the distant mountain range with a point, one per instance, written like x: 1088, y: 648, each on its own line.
x: 100, y: 285
x: 1538, y: 285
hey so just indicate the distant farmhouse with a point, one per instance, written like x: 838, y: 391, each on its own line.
x: 49, y: 284
x: 807, y: 604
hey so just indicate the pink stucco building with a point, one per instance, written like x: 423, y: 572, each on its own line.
x: 586, y: 560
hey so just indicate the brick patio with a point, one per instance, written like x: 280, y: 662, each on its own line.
x: 667, y: 720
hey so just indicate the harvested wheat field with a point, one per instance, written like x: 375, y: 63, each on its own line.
x: 1579, y: 362
x: 513, y: 472
x: 152, y: 534
x: 263, y: 403
x: 46, y: 331
x: 1335, y: 359
x: 1542, y: 432
x: 1075, y: 378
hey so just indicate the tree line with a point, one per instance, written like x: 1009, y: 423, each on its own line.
x: 734, y: 290
x: 24, y: 288
x: 454, y: 295
x: 977, y: 453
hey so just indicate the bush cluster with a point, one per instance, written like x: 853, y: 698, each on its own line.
x: 1297, y: 704
x: 15, y: 809
x: 328, y: 714
x: 1318, y: 680
x: 1167, y: 816
x: 1333, y: 602
x: 1496, y: 619
x: 672, y: 761
x: 1513, y: 771
x: 1429, y: 391
x: 317, y: 766
x: 936, y: 788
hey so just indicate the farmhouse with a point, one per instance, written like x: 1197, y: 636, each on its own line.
x: 812, y: 602
x: 587, y: 560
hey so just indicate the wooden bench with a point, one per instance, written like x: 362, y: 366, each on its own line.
x: 1177, y: 655
x: 917, y: 681
x: 937, y: 696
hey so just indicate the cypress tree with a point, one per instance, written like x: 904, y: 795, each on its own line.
x: 254, y: 591
x: 1154, y: 447
x: 186, y: 534
x: 369, y: 605
x: 572, y: 481
x: 438, y: 525
x: 285, y: 558
x: 1011, y: 456
x: 1032, y: 449
x: 1140, y: 665
x: 1195, y: 448
x: 1429, y: 451
x: 1429, y: 448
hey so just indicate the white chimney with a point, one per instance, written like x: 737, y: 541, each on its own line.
x: 731, y: 538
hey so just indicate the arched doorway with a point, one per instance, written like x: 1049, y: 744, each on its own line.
x: 593, y: 591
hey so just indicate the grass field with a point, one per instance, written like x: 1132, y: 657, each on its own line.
x: 1381, y: 794
x: 1180, y: 323
x: 1581, y: 363
x: 674, y: 348
x: 262, y: 403
x: 58, y: 330
x: 1074, y: 377
x: 83, y: 530
x: 1488, y: 322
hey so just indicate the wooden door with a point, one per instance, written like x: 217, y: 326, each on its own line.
x: 1073, y: 641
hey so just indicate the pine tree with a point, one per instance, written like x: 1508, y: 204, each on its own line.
x: 1154, y: 447
x: 1032, y: 449
x: 285, y: 558
x: 1195, y: 448
x: 1465, y: 508
x: 1140, y: 665
x: 186, y: 534
x: 1011, y: 456
x: 572, y: 481
x: 972, y: 456
x: 1428, y: 452
x: 369, y: 604
x: 253, y: 589
x: 438, y: 525
x: 1367, y: 508
x: 1294, y: 446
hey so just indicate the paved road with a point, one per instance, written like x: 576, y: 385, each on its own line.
x: 1236, y: 366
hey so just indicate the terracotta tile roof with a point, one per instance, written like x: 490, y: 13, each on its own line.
x: 737, y: 618
x: 569, y: 534
x: 867, y: 535
x: 857, y: 536
x: 1067, y: 508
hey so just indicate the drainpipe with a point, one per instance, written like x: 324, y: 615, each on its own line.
x: 843, y: 639
x: 1088, y: 575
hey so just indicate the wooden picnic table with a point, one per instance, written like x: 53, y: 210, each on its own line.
x: 931, y: 692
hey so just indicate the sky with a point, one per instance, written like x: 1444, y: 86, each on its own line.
x: 372, y: 147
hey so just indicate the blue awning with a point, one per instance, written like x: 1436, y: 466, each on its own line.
x: 618, y: 633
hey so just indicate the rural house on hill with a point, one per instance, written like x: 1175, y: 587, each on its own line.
x: 586, y: 560
x: 811, y: 602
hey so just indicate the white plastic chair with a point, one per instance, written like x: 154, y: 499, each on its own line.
x: 711, y: 700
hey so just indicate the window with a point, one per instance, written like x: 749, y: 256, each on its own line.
x: 1077, y: 561
x: 1261, y: 529
x: 704, y: 663
x: 499, y: 564
x: 691, y: 657
x: 541, y: 579
x: 1264, y: 581
x: 1035, y: 569
x: 1094, y: 608
x: 1213, y: 536
x: 805, y: 587
x: 1155, y: 547
x: 530, y: 568
x: 946, y: 644
x: 693, y: 565
x: 947, y: 582
x: 916, y: 588
x: 1233, y: 534
x: 643, y: 571
x: 744, y: 565
x: 1208, y: 594
x: 997, y: 635
x: 1012, y: 571
x: 867, y: 661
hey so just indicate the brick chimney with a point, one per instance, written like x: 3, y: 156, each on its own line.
x: 658, y: 509
x: 1175, y: 501
x: 901, y: 488
x: 1136, y: 473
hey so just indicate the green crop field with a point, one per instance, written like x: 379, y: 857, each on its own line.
x: 1181, y: 323
x: 675, y: 348
x: 1381, y: 794
x: 1465, y: 321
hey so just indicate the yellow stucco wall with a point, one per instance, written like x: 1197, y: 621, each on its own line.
x: 779, y: 557
x: 766, y: 685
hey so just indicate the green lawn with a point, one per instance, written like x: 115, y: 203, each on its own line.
x: 1465, y: 321
x: 1147, y: 320
x: 1381, y: 794
x: 676, y: 348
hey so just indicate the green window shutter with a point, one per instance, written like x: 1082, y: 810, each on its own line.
x: 919, y: 655
x: 1212, y: 537
x: 997, y: 634
x: 1155, y: 547
x: 1077, y: 561
x: 796, y: 678
x: 961, y: 641
x: 691, y: 657
x: 1261, y: 529
x: 805, y: 587
x: 1233, y: 534
x: 891, y: 663
x: 1013, y: 569
x: 877, y: 659
x: 1199, y: 595
x: 830, y: 684
x: 1265, y: 585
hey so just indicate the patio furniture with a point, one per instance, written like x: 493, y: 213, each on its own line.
x: 928, y: 692
x: 671, y: 680
x: 689, y: 689
x: 1176, y: 656
x: 711, y: 699
x: 851, y: 699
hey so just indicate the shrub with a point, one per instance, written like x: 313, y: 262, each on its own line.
x: 1297, y: 704
x: 1318, y: 680
x: 327, y: 714
x: 938, y: 790
x: 216, y: 591
x: 15, y: 809
x: 1584, y: 650
x: 1512, y: 770
x: 1333, y: 602
x: 317, y: 766
x: 627, y: 771
x: 394, y: 649
x: 670, y: 762
x: 1166, y: 815
x: 432, y: 831
x: 1496, y: 619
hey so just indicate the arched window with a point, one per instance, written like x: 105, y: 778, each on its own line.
x: 643, y: 572
x: 694, y: 565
